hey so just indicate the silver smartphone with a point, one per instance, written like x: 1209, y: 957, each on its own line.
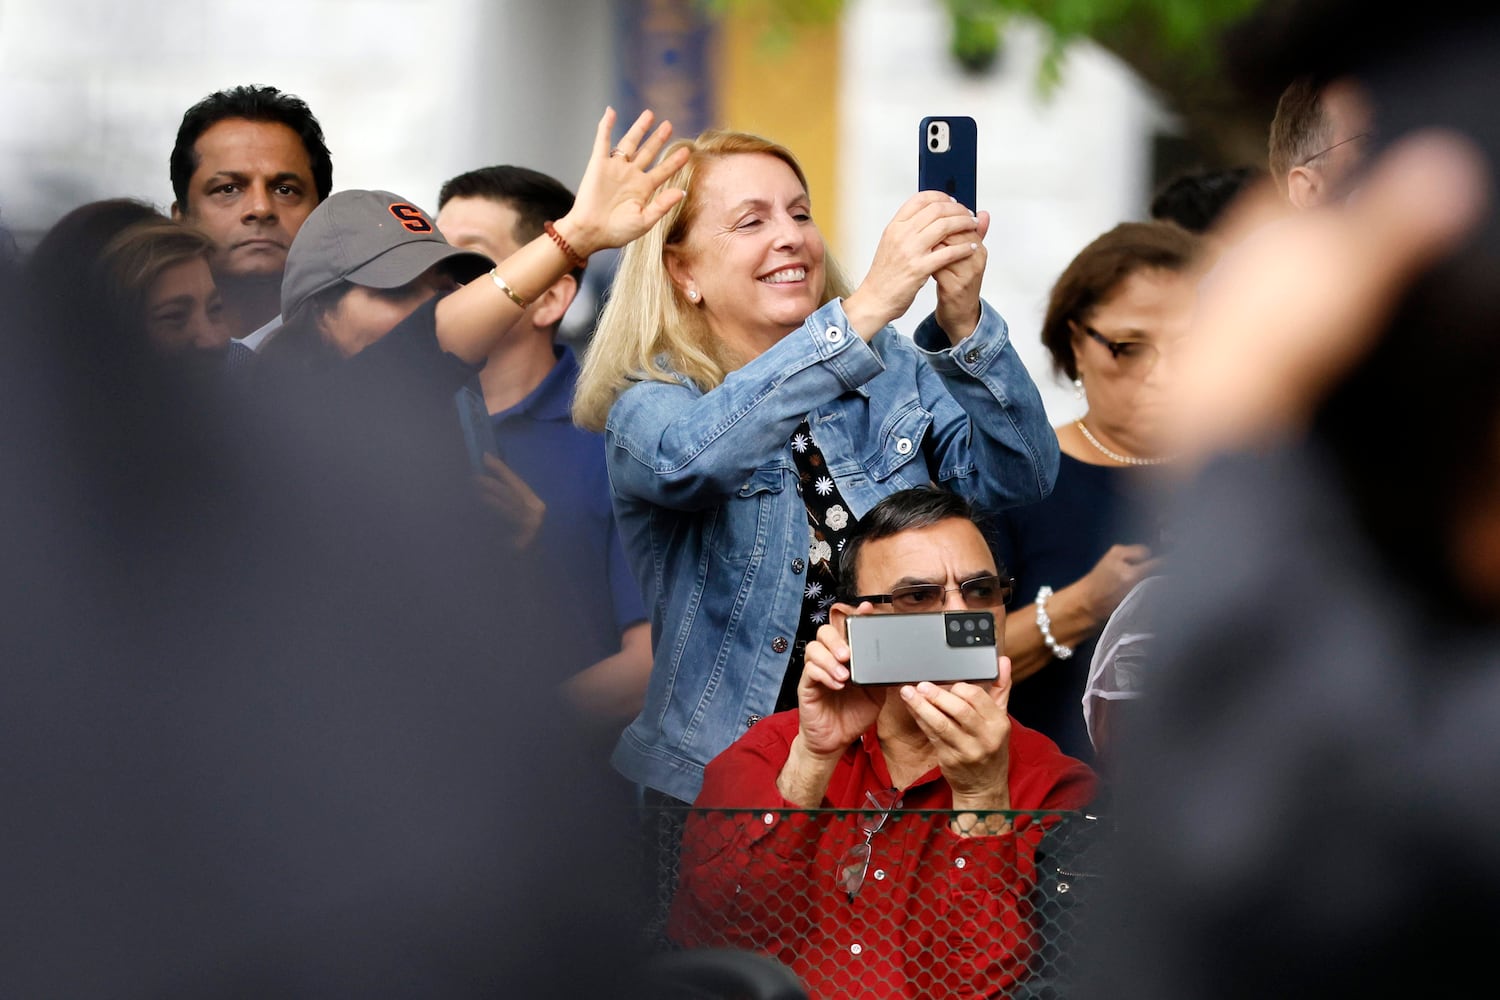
x: 939, y: 646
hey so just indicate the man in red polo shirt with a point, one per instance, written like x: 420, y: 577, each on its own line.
x: 891, y: 901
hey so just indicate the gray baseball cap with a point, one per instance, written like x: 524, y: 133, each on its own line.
x: 372, y: 238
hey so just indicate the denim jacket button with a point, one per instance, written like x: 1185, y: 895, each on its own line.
x: 973, y: 356
x: 903, y: 446
x: 779, y: 644
x: 833, y: 334
x: 798, y: 565
x: 751, y: 720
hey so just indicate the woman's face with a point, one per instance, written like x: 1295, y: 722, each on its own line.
x: 1128, y: 387
x: 754, y: 256
x: 183, y: 310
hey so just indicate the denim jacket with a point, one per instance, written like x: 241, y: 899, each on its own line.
x: 709, y: 505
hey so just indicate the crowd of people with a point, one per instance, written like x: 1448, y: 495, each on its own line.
x: 356, y: 620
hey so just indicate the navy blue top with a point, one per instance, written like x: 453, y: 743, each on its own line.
x: 578, y: 552
x: 1053, y: 543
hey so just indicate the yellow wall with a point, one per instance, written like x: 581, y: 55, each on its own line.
x: 786, y: 91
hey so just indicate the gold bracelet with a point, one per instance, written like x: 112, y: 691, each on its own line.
x: 500, y: 284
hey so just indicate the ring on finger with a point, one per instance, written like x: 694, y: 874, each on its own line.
x: 617, y: 151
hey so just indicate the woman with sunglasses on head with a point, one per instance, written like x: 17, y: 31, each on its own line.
x: 1113, y: 319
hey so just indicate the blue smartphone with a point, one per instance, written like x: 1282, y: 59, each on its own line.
x: 948, y: 158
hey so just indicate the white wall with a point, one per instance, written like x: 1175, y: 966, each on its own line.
x: 1054, y: 171
x: 409, y: 92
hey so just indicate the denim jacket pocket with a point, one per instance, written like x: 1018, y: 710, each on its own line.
x: 898, y: 445
x: 738, y: 530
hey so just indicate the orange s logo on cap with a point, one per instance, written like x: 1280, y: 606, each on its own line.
x: 411, y: 217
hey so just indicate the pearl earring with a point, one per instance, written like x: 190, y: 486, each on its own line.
x: 693, y: 294
x: 1078, y: 388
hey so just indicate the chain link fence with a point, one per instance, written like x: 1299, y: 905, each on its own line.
x: 879, y: 903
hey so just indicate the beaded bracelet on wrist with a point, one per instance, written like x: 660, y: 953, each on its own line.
x: 1044, y: 625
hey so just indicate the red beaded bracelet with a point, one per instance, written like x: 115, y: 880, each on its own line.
x: 562, y: 244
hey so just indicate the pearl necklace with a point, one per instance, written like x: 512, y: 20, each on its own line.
x: 1122, y: 459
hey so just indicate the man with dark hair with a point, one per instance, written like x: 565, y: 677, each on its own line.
x: 548, y: 475
x: 929, y: 897
x: 248, y: 168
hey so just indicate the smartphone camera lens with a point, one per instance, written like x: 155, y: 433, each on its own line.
x: 934, y: 128
x: 933, y: 145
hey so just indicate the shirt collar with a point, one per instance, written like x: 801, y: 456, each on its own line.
x: 552, y: 399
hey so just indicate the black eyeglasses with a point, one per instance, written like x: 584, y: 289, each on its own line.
x: 1329, y: 149
x: 850, y: 874
x: 1133, y: 356
x: 980, y: 592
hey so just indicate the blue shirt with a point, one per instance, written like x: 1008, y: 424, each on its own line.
x: 706, y: 496
x: 577, y: 552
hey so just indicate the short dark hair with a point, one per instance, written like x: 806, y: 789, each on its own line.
x: 537, y: 198
x: 1100, y: 268
x: 1299, y: 127
x: 904, y: 510
x: 257, y: 104
x: 1196, y: 199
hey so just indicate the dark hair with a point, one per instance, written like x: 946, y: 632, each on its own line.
x: 1100, y: 268
x: 1299, y: 128
x: 904, y: 510
x: 1195, y: 199
x: 256, y: 104
x: 536, y: 197
x: 63, y: 278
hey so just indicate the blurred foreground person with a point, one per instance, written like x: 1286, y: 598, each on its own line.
x: 264, y: 732
x: 1307, y: 792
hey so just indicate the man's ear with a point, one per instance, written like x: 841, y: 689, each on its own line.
x: 1304, y: 186
x: 552, y: 305
x: 839, y: 613
x: 176, y: 212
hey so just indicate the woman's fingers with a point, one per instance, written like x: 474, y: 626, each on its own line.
x: 654, y: 144
x: 630, y: 142
x: 602, y: 133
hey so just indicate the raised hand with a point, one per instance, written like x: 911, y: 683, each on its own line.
x: 621, y: 195
x: 1296, y: 299
x: 918, y: 242
x: 958, y: 284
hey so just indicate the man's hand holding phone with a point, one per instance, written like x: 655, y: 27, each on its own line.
x: 832, y: 712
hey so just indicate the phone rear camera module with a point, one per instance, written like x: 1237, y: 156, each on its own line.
x: 939, y: 136
x: 969, y: 628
